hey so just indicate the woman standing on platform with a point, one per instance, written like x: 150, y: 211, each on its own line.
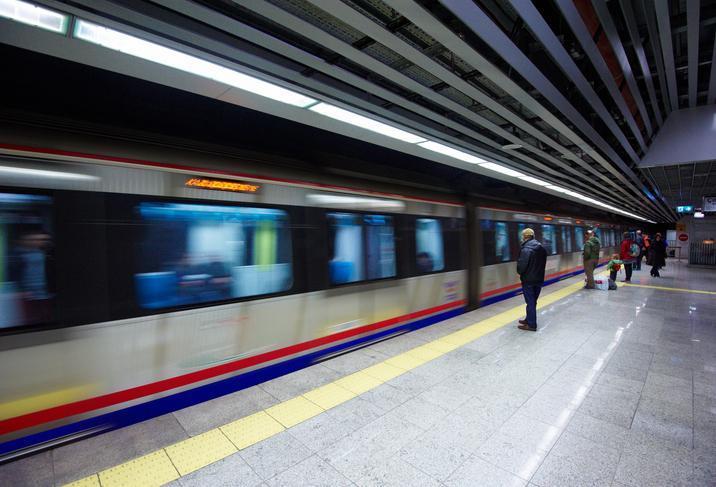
x: 627, y: 253
x: 656, y: 257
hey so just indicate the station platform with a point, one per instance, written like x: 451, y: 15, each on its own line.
x: 617, y: 388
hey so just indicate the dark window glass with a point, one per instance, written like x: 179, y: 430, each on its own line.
x: 26, y: 255
x: 429, y: 248
x: 578, y: 239
x: 549, y: 239
x: 567, y: 239
x: 195, y: 253
x: 362, y: 247
x: 520, y: 227
x: 502, y: 242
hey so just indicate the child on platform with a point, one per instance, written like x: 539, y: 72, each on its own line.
x: 613, y: 267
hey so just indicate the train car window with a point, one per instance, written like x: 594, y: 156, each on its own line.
x: 578, y: 239
x: 361, y: 247
x: 26, y: 256
x: 567, y: 241
x: 549, y: 239
x: 520, y: 227
x: 380, y: 246
x: 502, y: 242
x: 429, y: 246
x: 197, y: 253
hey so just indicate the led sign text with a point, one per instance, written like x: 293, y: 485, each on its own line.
x: 222, y: 185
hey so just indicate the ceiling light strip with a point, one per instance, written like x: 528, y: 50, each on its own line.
x: 27, y: 13
x: 150, y: 51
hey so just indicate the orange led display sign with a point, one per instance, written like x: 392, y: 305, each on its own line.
x: 222, y: 185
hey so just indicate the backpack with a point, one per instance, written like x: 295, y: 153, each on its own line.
x: 634, y: 250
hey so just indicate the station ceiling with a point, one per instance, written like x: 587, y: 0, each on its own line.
x: 569, y: 91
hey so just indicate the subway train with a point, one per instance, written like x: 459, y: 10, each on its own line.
x: 136, y: 279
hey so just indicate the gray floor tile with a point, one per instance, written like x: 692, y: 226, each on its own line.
x: 476, y: 471
x: 598, y: 431
x: 222, y: 410
x: 326, y: 429
x: 232, y: 471
x: 447, y: 397
x: 512, y: 454
x: 396, y: 472
x: 438, y: 455
x: 622, y: 383
x: 78, y: 460
x: 667, y: 420
x: 275, y: 455
x: 312, y: 472
x: 33, y: 471
x: 385, y: 397
x: 704, y: 467
x: 636, y: 469
x: 296, y: 383
x: 354, y: 361
x: 577, y: 461
x: 420, y: 412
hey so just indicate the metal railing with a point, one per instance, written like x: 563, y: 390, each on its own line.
x: 702, y: 253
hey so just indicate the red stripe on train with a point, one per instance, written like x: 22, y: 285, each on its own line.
x: 99, y: 402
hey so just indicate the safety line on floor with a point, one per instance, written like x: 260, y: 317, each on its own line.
x: 664, y: 288
x: 174, y: 461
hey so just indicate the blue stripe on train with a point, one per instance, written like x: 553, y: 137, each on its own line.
x: 518, y: 291
x: 156, y: 407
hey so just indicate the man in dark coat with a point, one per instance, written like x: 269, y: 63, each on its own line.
x: 530, y: 267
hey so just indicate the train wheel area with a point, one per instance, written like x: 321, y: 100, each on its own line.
x: 616, y: 387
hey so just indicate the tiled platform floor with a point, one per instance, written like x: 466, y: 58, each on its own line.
x: 616, y: 389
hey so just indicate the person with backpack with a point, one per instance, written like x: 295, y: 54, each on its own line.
x: 590, y: 256
x: 628, y: 252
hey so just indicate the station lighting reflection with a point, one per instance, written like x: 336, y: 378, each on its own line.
x: 43, y: 173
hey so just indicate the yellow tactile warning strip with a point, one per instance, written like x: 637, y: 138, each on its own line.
x: 153, y: 469
x: 664, y: 288
x: 200, y: 451
x: 170, y: 463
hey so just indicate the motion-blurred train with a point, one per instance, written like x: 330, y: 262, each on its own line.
x: 137, y: 279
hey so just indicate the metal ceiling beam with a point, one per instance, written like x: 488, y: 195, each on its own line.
x: 385, y: 37
x: 484, y: 27
x: 692, y: 21
x: 711, y: 98
x: 234, y: 27
x: 308, y: 30
x: 554, y: 47
x: 667, y: 49
x: 641, y: 56
x: 576, y: 24
x: 648, y: 9
x: 610, y: 30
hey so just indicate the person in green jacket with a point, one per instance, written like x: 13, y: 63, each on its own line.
x: 591, y: 257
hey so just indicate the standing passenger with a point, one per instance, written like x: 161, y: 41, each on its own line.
x: 530, y: 267
x: 628, y: 252
x: 656, y: 257
x: 639, y: 241
x: 591, y: 257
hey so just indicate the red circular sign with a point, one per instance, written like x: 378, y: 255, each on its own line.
x: 683, y: 237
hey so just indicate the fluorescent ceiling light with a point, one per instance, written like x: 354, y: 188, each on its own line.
x: 42, y: 173
x: 501, y: 169
x: 534, y: 180
x: 454, y: 153
x: 557, y: 188
x: 30, y: 14
x: 698, y: 214
x: 365, y: 123
x: 512, y: 146
x: 151, y: 51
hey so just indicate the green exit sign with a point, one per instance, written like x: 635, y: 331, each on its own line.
x: 685, y: 209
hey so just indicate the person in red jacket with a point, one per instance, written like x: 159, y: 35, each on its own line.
x: 628, y: 253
